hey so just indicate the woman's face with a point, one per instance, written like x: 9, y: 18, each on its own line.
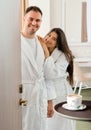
x: 51, y: 40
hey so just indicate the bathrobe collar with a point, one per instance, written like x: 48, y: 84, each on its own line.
x: 55, y: 54
x: 28, y: 52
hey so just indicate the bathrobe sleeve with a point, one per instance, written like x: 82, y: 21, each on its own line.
x: 51, y: 93
x: 55, y: 67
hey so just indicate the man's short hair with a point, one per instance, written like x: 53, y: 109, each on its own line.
x: 34, y: 8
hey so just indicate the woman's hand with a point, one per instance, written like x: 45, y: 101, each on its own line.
x: 46, y: 51
x: 50, y: 110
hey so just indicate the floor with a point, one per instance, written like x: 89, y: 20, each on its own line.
x: 82, y: 125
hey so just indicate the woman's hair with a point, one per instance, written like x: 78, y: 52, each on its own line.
x: 33, y: 8
x: 62, y: 45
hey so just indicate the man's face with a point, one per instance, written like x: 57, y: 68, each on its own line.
x: 32, y: 22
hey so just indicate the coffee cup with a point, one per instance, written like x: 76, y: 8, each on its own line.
x: 74, y: 100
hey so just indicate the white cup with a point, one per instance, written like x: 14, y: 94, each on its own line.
x: 74, y: 100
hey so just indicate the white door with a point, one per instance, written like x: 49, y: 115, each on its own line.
x: 10, y: 75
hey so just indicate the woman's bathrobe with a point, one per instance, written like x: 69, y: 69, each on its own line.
x: 34, y: 88
x: 55, y: 70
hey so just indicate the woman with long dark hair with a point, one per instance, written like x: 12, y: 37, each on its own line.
x: 59, y: 69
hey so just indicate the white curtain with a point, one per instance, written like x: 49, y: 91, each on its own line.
x: 84, y: 22
x: 89, y: 20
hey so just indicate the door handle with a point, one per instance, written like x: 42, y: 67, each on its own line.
x: 22, y: 102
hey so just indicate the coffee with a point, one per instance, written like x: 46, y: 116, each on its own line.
x: 74, y: 100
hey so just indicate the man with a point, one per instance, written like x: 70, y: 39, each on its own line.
x: 34, y: 89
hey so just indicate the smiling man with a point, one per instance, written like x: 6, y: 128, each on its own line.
x: 34, y: 88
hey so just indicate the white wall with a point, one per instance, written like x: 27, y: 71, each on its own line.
x: 73, y: 20
x: 57, y: 13
x: 45, y: 7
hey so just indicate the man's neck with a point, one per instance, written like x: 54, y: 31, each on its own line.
x: 27, y: 35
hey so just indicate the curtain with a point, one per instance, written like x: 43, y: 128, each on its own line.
x: 24, y: 5
x: 84, y: 22
x: 89, y: 20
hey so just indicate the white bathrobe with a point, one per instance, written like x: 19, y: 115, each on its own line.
x: 34, y: 88
x: 55, y: 70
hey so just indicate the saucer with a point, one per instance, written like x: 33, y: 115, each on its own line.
x: 66, y: 106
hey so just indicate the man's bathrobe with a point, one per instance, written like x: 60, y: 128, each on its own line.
x: 34, y: 88
x: 55, y: 70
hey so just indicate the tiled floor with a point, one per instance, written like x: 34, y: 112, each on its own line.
x: 82, y: 125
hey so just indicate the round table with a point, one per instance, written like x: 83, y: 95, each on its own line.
x: 83, y: 115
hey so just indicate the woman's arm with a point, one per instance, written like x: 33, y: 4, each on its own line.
x: 50, y: 110
x: 56, y: 69
x: 46, y: 52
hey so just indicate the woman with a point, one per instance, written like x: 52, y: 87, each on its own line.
x: 59, y: 69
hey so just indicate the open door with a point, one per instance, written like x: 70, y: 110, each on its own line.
x: 10, y: 70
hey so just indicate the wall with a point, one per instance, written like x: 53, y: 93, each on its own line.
x: 73, y: 20
x: 57, y: 13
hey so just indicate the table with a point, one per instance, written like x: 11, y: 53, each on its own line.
x: 82, y: 115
